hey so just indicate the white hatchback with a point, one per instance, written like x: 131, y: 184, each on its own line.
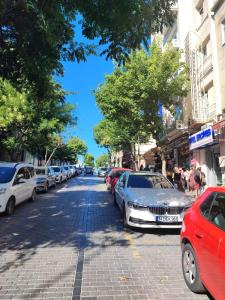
x: 17, y: 184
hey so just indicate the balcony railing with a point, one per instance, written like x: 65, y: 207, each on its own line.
x: 204, y: 114
x: 207, y: 66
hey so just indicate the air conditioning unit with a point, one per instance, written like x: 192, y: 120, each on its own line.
x: 180, y: 124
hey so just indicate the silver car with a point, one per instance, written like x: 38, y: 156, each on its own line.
x: 45, y: 178
x: 149, y: 200
x: 60, y: 173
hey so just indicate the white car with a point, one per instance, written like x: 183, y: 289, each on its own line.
x: 149, y: 200
x: 45, y: 178
x: 17, y: 184
x: 60, y: 174
x: 68, y: 171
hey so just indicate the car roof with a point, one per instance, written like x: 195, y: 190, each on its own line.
x: 146, y: 173
x: 15, y: 165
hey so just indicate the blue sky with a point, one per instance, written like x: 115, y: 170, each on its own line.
x: 83, y: 78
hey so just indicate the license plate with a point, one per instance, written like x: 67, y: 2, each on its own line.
x: 167, y: 219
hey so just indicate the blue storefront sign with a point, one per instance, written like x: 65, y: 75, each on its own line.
x: 201, y: 138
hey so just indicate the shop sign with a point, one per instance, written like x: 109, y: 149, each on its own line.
x: 201, y: 138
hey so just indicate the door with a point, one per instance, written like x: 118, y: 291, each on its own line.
x: 208, y: 236
x: 19, y: 185
x: 121, y: 191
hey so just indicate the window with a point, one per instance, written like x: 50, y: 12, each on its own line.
x: 217, y: 212
x: 206, y: 205
x: 21, y: 174
x: 31, y: 171
x: 223, y: 32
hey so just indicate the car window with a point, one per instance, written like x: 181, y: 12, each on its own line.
x: 217, y: 211
x: 6, y: 174
x: 40, y: 171
x: 56, y: 169
x: 206, y: 205
x: 31, y: 171
x: 22, y: 173
x: 148, y: 181
x: 27, y: 174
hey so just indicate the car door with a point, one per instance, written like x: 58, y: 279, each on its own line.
x: 19, y: 185
x: 208, y: 238
x: 121, y: 190
x: 50, y: 176
x: 217, y: 217
x: 31, y: 181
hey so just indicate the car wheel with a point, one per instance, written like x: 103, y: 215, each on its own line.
x: 10, y: 207
x: 191, y: 270
x: 33, y: 196
x: 125, y: 225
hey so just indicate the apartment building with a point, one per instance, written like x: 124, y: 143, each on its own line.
x: 199, y: 31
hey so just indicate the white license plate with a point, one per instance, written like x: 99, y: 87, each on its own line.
x: 167, y: 219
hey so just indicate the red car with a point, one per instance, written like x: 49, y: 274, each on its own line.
x: 203, y: 244
x: 113, y: 177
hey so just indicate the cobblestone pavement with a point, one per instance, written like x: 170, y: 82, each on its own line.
x: 70, y: 244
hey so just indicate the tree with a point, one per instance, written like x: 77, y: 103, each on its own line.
x: 27, y: 124
x: 131, y: 97
x: 102, y: 160
x: 35, y: 36
x: 89, y: 160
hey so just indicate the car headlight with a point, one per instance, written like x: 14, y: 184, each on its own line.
x: 137, y: 206
x: 2, y: 191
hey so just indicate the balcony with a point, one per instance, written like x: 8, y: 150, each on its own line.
x: 206, y: 71
x: 204, y: 114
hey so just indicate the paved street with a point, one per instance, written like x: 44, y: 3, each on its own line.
x: 70, y: 244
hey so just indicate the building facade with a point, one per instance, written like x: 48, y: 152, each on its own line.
x: 199, y: 32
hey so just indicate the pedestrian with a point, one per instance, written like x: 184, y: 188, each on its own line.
x: 202, y: 180
x: 177, y: 179
x: 195, y: 180
x: 185, y: 178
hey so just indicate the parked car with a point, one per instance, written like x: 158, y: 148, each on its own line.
x: 68, y: 171
x: 17, y: 184
x: 102, y: 172
x: 88, y: 170
x: 45, y: 178
x: 149, y: 200
x: 61, y: 174
x: 203, y: 243
x: 113, y: 176
x: 72, y: 170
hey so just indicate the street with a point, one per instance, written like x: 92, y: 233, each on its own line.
x: 70, y: 244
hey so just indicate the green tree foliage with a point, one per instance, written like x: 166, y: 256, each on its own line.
x: 69, y: 151
x: 131, y: 97
x: 27, y: 124
x: 102, y: 160
x: 35, y: 36
x: 89, y: 160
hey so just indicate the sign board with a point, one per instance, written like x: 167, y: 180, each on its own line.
x: 201, y: 138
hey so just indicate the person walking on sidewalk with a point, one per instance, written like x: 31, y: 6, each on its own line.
x: 195, y: 180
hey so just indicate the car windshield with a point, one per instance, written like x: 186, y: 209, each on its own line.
x: 56, y: 169
x: 148, y: 182
x: 66, y: 168
x: 6, y: 174
x: 40, y: 171
x: 117, y: 174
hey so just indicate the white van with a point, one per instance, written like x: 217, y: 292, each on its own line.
x: 17, y: 184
